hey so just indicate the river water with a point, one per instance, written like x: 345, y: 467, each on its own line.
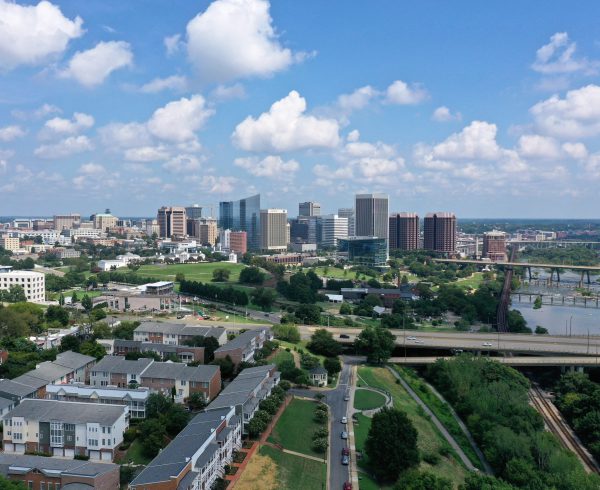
x: 559, y: 320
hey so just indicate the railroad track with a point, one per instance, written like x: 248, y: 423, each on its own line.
x: 560, y: 429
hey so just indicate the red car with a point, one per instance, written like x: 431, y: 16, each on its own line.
x: 347, y: 486
x: 346, y: 451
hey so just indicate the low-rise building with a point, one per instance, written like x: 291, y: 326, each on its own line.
x: 65, y: 429
x: 197, y: 456
x: 134, y: 300
x: 38, y: 472
x: 9, y: 243
x: 243, y: 347
x: 388, y: 296
x: 176, y: 333
x: 117, y: 371
x: 318, y: 376
x: 247, y: 390
x: 33, y: 283
x: 135, y: 398
x: 119, y: 347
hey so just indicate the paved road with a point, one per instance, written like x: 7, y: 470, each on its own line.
x: 338, y: 473
x: 523, y: 343
x: 510, y: 361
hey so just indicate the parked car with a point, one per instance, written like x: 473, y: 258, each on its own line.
x: 344, y: 420
x: 347, y: 486
x: 487, y: 344
x: 344, y: 336
x: 347, y: 397
x: 411, y: 338
x: 344, y: 435
x: 346, y: 451
x: 345, y: 460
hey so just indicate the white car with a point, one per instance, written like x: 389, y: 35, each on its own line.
x: 411, y: 338
x: 487, y: 344
x: 344, y: 420
x: 419, y: 341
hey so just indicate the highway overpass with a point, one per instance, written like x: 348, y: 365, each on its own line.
x: 474, y: 342
x: 519, y: 361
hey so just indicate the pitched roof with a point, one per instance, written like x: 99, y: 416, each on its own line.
x: 176, y: 370
x: 242, y: 340
x: 15, y: 463
x: 117, y: 364
x: 71, y: 412
x: 73, y: 360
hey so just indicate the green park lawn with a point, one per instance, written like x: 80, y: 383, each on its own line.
x: 134, y: 453
x: 295, y: 427
x: 280, y: 356
x: 472, y: 282
x: 295, y: 472
x: 368, y: 400
x: 430, y: 441
x: 193, y: 272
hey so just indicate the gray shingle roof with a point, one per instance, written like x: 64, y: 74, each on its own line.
x: 117, y: 364
x: 17, y: 389
x: 180, y: 328
x: 242, y: 340
x: 176, y: 370
x: 172, y: 460
x: 70, y: 412
x: 49, y: 371
x: 66, y: 466
x: 241, y: 389
x: 73, y: 360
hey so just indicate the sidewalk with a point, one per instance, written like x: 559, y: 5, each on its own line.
x: 351, y: 439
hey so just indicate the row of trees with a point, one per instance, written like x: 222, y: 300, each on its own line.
x: 302, y: 288
x: 267, y: 410
x: 216, y: 293
x: 493, y: 400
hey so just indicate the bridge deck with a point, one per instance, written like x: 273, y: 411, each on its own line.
x: 521, y: 264
x: 510, y: 361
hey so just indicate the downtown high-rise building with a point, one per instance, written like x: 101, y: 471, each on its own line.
x: 494, y: 245
x: 371, y: 215
x: 309, y: 208
x: 348, y: 213
x: 404, y: 231
x: 242, y: 215
x: 172, y: 221
x: 66, y: 221
x: 204, y: 230
x: 193, y: 212
x: 273, y: 229
x: 439, y: 232
x: 333, y: 228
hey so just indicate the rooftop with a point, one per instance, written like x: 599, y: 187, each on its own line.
x: 107, y: 392
x: 72, y: 412
x: 242, y: 340
x: 73, y: 360
x: 20, y: 463
x: 242, y: 387
x: 117, y: 364
x: 176, y: 370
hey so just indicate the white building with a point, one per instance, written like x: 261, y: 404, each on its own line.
x: 33, y: 283
x: 224, y: 239
x: 273, y: 229
x: 333, y: 228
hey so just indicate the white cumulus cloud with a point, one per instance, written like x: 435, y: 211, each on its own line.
x: 146, y: 154
x: 272, y: 166
x: 65, y: 147
x: 10, y: 133
x: 179, y: 120
x: 558, y: 57
x: 443, y: 114
x: 401, y: 93
x: 286, y: 128
x: 90, y: 68
x: 236, y: 39
x: 32, y: 35
x: 61, y: 126
x: 174, y: 82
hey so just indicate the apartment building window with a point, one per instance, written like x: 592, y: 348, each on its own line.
x: 56, y: 434
x: 30, y: 485
x: 42, y: 485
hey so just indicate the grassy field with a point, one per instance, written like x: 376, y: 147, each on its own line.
x: 368, y: 400
x: 441, y: 411
x: 134, y: 453
x: 295, y: 427
x: 472, y: 282
x: 430, y: 441
x: 80, y: 294
x: 193, y: 272
x: 295, y: 472
x: 280, y: 356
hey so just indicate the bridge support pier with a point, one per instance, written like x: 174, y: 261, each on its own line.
x: 529, y: 271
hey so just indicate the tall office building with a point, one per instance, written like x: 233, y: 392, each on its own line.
x: 193, y: 212
x: 439, y: 232
x: 404, y: 231
x: 171, y: 221
x: 104, y: 221
x: 238, y: 242
x: 273, y: 229
x: 494, y: 245
x: 371, y: 215
x: 204, y: 230
x: 66, y: 221
x: 333, y: 228
x: 242, y: 215
x: 309, y: 208
x: 349, y: 214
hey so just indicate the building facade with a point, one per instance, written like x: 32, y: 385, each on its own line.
x: 404, y: 231
x: 238, y: 242
x: 243, y: 347
x: 348, y: 213
x: 9, y: 243
x: 439, y: 232
x: 176, y: 333
x: 65, y: 429
x: 494, y: 246
x: 66, y: 221
x: 332, y: 229
x: 309, y: 208
x: 171, y: 221
x: 367, y: 251
x: 242, y: 215
x: 33, y: 283
x: 273, y: 229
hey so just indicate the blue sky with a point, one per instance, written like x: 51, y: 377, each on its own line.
x: 487, y: 109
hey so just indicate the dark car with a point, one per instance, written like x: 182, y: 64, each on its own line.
x: 345, y: 460
x: 347, y: 486
x: 346, y: 451
x: 344, y: 336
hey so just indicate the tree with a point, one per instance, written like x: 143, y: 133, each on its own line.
x: 74, y: 298
x: 322, y: 342
x: 226, y: 365
x: 477, y: 481
x: 345, y: 309
x: 377, y: 343
x: 416, y: 480
x: 391, y: 444
x: 220, y: 275
x: 541, y: 330
x: 287, y: 332
x: 256, y: 426
x: 176, y: 419
x: 6, y: 484
x: 264, y: 297
x: 69, y: 342
x: 333, y: 365
x: 196, y: 401
x: 93, y: 349
x: 306, y: 313
x: 179, y: 277
x: 125, y: 330
x: 87, y: 303
x: 61, y: 300
x: 251, y: 275
x: 101, y: 330
x: 156, y: 405
x: 57, y: 314
x: 152, y: 436
x: 97, y: 314
x: 210, y: 344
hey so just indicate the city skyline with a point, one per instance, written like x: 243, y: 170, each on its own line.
x: 105, y: 111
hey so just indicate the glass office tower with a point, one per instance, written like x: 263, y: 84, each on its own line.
x: 242, y: 215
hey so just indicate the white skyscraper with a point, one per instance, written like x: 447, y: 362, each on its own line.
x: 333, y: 228
x: 273, y: 229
